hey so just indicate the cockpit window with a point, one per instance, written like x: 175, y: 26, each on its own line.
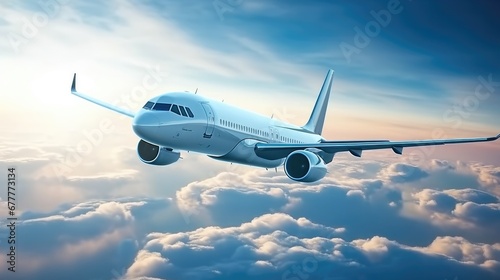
x: 162, y: 106
x: 183, y: 112
x: 148, y: 105
x: 190, y: 114
x: 175, y: 109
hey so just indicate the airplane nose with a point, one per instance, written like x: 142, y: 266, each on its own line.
x: 146, y: 125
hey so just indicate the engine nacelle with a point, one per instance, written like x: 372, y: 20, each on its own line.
x: 156, y: 155
x: 304, y: 166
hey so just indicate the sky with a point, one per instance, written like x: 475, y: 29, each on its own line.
x: 87, y: 208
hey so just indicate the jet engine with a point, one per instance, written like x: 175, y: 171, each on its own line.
x: 304, y: 166
x: 156, y: 155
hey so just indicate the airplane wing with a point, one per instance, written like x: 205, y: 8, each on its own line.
x: 280, y: 150
x: 98, y: 102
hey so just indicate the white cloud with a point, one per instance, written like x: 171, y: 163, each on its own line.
x: 462, y: 250
x: 258, y: 246
x: 402, y: 173
x: 468, y: 212
x: 104, y: 233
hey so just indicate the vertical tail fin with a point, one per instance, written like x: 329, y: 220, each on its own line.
x: 317, y: 118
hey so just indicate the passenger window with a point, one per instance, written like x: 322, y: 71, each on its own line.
x: 162, y: 107
x: 148, y: 105
x: 190, y: 114
x: 183, y: 112
x: 175, y: 109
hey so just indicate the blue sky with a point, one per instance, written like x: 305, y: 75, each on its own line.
x: 89, y: 209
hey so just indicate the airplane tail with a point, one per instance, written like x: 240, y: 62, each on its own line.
x: 317, y: 118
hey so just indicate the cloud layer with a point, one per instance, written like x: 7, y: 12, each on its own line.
x: 255, y: 224
x: 277, y: 246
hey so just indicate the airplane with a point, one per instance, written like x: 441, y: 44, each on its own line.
x: 182, y: 121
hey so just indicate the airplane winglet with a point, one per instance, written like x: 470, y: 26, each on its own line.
x: 73, y: 85
x: 493, y: 138
x: 98, y: 102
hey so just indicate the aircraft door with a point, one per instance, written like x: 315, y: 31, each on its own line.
x: 210, y: 120
x: 274, y: 134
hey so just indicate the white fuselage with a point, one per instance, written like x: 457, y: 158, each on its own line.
x: 220, y: 130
